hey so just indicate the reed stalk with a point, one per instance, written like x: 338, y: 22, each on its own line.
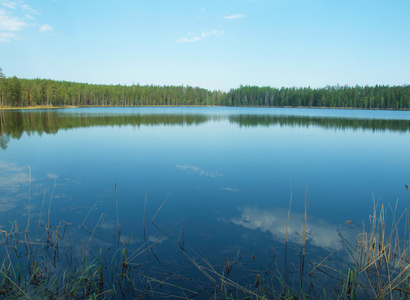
x: 118, y: 219
x: 376, y: 264
x: 286, y: 234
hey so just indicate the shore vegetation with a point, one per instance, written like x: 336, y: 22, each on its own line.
x: 43, y: 260
x: 46, y: 93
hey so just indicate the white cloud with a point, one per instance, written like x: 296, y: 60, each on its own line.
x: 10, y: 23
x: 232, y: 17
x: 202, y: 36
x: 214, y: 32
x: 107, y: 226
x: 209, y: 174
x: 156, y: 240
x: 10, y: 167
x: 188, y: 40
x: 28, y: 8
x: 318, y: 232
x: 12, y: 178
x: 6, y: 37
x: 7, y: 204
x: 15, y: 16
x: 188, y: 167
x: 9, y: 4
x: 46, y: 28
x: 230, y: 189
x: 51, y: 175
x: 198, y: 171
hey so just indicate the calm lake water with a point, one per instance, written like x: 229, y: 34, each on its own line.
x: 226, y: 175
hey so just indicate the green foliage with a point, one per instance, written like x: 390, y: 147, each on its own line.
x: 2, y: 86
x: 44, y: 92
x: 380, y: 97
x: 34, y: 92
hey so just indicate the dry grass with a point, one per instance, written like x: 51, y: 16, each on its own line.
x: 376, y: 263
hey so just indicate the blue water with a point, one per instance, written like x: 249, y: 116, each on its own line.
x: 228, y: 183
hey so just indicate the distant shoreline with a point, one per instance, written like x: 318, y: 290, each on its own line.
x: 90, y: 106
x: 45, y: 93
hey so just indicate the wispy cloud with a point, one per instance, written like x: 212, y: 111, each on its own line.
x: 12, y: 178
x: 228, y: 189
x: 10, y: 23
x: 15, y: 17
x: 9, y: 4
x: 198, y: 171
x: 188, y: 167
x: 232, y: 17
x: 156, y: 240
x: 46, y: 28
x: 51, y: 175
x: 6, y: 37
x: 318, y: 232
x: 10, y: 167
x: 188, y: 40
x: 214, y: 32
x: 29, y: 9
x: 29, y: 17
x: 199, y: 37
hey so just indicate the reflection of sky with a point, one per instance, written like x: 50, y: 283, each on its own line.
x: 318, y: 232
x: 218, y: 165
x: 12, y: 179
x: 229, y: 111
x: 198, y: 171
x: 209, y: 169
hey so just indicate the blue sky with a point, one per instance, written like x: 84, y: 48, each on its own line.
x: 212, y: 44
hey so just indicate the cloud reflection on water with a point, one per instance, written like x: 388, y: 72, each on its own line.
x: 229, y: 189
x: 198, y: 171
x: 12, y: 180
x: 319, y: 232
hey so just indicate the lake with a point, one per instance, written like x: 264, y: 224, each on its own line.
x: 181, y: 186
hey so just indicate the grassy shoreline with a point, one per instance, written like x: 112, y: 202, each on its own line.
x: 90, y: 106
x: 375, y: 266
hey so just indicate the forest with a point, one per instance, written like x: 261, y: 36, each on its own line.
x: 16, y: 92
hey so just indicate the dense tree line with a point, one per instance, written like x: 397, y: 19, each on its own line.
x: 379, y: 96
x: 43, y: 92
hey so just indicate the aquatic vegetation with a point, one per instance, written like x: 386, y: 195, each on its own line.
x: 372, y: 262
